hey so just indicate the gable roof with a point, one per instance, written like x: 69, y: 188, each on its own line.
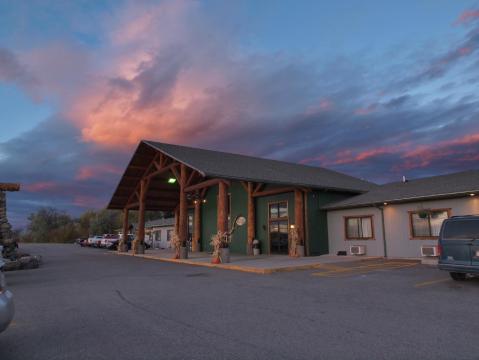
x: 430, y: 188
x: 247, y: 168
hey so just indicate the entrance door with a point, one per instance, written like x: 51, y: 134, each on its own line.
x: 278, y: 227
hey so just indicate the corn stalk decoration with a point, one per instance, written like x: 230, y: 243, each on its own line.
x: 176, y: 242
x: 219, y: 241
x: 293, y: 241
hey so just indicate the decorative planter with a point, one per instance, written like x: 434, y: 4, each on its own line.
x: 225, y: 255
x: 256, y: 252
x: 183, y: 252
x: 300, y: 250
x: 140, y: 249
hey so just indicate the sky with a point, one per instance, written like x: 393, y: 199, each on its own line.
x: 375, y: 89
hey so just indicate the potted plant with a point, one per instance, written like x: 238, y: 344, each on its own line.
x: 423, y: 213
x: 221, y: 242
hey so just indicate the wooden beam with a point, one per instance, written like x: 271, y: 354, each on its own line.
x: 176, y: 174
x: 195, y: 245
x: 162, y: 170
x: 183, y: 221
x: 222, y: 207
x: 122, y: 244
x: 206, y: 184
x: 273, y: 191
x: 250, y: 220
x: 139, y: 243
x: 190, y: 179
x: 258, y: 187
x: 245, y: 185
x: 299, y: 214
x: 9, y: 187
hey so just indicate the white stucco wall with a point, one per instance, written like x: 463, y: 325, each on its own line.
x: 396, y: 221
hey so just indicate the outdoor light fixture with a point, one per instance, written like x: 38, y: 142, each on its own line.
x: 171, y: 180
x: 472, y: 194
x: 385, y: 203
x: 195, y: 202
x: 204, y: 201
x: 291, y: 226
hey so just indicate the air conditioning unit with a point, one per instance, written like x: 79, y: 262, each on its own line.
x: 429, y: 250
x: 357, y: 249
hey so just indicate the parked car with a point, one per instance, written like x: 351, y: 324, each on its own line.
x: 6, y: 301
x: 458, y: 246
x: 95, y: 241
x: 109, y: 241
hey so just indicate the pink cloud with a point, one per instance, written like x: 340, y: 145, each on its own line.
x: 86, y: 201
x: 40, y: 186
x: 467, y: 16
x: 95, y: 171
x: 366, y: 110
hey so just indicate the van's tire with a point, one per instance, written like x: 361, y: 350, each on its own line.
x: 458, y: 276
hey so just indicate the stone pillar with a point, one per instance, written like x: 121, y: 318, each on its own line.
x: 222, y: 208
x: 139, y: 243
x: 5, y: 227
x: 195, y: 246
x: 250, y: 220
x: 123, y: 243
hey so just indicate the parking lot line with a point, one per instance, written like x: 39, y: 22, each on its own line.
x: 431, y: 282
x: 362, y: 269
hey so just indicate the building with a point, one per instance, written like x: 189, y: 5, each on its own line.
x: 158, y: 233
x: 397, y: 219
x: 211, y: 188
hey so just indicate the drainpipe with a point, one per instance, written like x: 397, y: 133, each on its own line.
x: 384, y: 231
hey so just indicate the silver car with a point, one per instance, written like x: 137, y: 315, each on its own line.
x: 6, y: 301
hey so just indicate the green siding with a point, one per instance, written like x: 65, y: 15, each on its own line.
x: 239, y: 203
x: 317, y: 221
x: 208, y: 218
x: 317, y: 227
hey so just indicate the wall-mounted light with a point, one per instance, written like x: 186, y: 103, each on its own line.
x: 204, y: 201
x: 385, y: 203
x: 171, y: 180
x: 195, y: 202
x: 291, y: 226
x: 472, y: 194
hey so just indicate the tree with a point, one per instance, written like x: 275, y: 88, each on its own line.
x: 105, y: 222
x: 50, y: 225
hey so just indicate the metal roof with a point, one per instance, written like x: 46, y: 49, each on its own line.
x: 430, y: 188
x: 217, y: 164
x: 248, y: 168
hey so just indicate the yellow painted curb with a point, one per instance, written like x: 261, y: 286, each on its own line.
x: 232, y: 266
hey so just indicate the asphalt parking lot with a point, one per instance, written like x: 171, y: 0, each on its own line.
x: 91, y: 304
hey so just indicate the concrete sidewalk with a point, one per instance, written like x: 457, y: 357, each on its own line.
x: 263, y: 264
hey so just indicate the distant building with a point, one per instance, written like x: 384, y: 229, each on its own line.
x: 158, y: 233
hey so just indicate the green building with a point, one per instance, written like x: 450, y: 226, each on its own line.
x: 208, y: 189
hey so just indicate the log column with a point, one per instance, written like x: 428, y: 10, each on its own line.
x: 299, y: 214
x: 139, y: 243
x: 123, y: 243
x: 250, y: 220
x: 222, y: 208
x: 195, y: 246
x: 183, y: 207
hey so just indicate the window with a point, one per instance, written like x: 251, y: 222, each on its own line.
x: 461, y: 230
x: 359, y: 227
x: 426, y: 224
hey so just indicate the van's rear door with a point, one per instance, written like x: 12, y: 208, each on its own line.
x: 458, y: 241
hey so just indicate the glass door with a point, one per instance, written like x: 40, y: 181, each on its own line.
x: 278, y: 227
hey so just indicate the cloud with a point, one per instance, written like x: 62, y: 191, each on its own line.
x: 467, y: 16
x: 11, y: 70
x: 196, y: 85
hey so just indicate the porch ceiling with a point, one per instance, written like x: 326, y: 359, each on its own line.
x: 160, y: 195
